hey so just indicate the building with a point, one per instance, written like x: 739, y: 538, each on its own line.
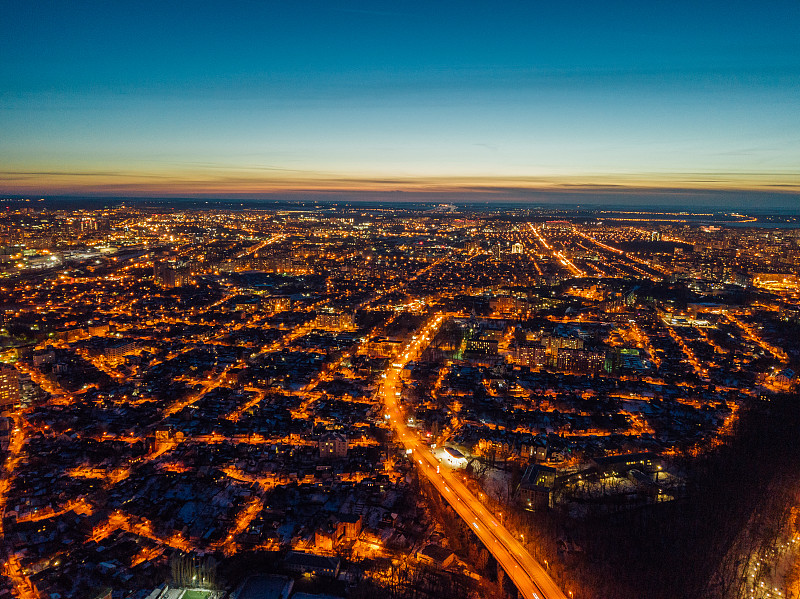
x: 333, y: 445
x: 742, y: 279
x: 46, y: 357
x: 784, y: 379
x: 70, y: 335
x: 434, y: 554
x: 339, y: 528
x: 325, y: 538
x: 516, y: 248
x: 349, y: 526
x: 580, y: 360
x: 481, y: 345
x: 383, y: 347
x: 171, y: 274
x: 536, y: 486
x: 9, y: 387
x: 116, y: 351
x: 97, y: 329
x: 249, y: 304
x: 531, y: 355
x: 335, y: 321
x: 277, y: 303
x: 615, y: 465
x: 630, y: 296
x: 508, y: 305
x: 535, y: 449
x: 310, y: 563
x: 166, y: 438
x: 454, y: 458
x: 556, y: 342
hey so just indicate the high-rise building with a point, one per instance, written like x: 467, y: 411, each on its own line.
x: 9, y: 387
x: 335, y: 320
x: 496, y: 251
x: 171, y: 274
x: 516, y: 248
x: 120, y: 349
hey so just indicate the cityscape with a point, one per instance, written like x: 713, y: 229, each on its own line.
x: 397, y: 299
x: 430, y: 400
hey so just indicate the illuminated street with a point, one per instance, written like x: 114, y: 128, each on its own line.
x: 528, y: 575
x: 217, y: 383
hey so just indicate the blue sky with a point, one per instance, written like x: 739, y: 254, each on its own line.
x: 248, y: 97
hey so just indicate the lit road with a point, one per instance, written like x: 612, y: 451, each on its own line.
x: 261, y: 245
x: 528, y: 575
x: 559, y: 256
x: 654, y: 274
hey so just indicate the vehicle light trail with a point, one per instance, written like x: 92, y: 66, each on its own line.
x: 558, y: 256
x: 528, y: 575
x: 623, y: 254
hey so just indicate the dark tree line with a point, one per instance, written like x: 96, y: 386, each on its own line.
x: 189, y: 570
x: 738, y: 499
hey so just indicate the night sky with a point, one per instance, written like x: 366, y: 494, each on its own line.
x: 242, y: 98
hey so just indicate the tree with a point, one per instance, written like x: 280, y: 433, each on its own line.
x: 482, y: 560
x: 501, y: 577
x: 190, y: 571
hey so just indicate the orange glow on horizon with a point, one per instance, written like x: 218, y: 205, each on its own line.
x: 244, y: 181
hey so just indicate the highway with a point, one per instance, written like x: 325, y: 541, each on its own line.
x: 528, y: 575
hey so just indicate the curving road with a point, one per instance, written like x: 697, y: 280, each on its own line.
x: 528, y: 575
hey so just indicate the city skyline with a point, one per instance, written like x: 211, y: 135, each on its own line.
x: 506, y: 102
x: 202, y: 398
